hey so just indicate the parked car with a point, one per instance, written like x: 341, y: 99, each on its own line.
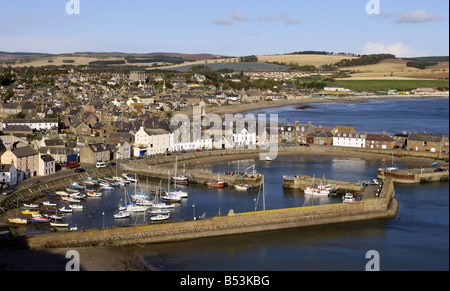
x: 80, y: 170
x: 101, y: 165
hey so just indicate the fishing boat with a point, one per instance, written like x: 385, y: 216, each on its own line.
x: 54, y: 217
x: 348, y: 197
x: 129, y: 177
x: 59, y: 224
x: 39, y: 218
x: 30, y: 211
x: 49, y: 203
x: 219, y: 183
x: 62, y: 193
x: 78, y: 196
x: 18, y: 220
x: 65, y: 210
x: 243, y: 187
x: 76, y: 185
x: 110, y: 180
x: 30, y: 205
x: 122, y: 214
x: 94, y: 194
x: 72, y: 190
x: 76, y: 207
x: 107, y: 188
x: 71, y: 200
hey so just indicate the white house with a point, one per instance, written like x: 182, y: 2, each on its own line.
x: 349, y: 139
x: 47, y: 165
x: 8, y: 175
x: 36, y: 124
x: 244, y: 138
x: 152, y: 141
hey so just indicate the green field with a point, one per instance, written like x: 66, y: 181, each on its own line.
x: 382, y: 85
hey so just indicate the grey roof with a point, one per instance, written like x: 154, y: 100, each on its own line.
x: 24, y: 152
x: 425, y: 137
x: 47, y: 158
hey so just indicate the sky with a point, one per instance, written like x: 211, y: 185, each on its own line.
x: 406, y: 28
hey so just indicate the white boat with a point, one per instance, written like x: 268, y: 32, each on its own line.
x: 139, y: 196
x: 129, y: 177
x: 62, y: 193
x: 54, y: 217
x: 143, y: 202
x: 158, y: 211
x: 122, y: 214
x: 70, y: 200
x: 160, y: 217
x: 107, y: 188
x: 94, y: 194
x: 66, y: 210
x: 171, y: 197
x: 268, y: 159
x: 132, y: 207
x: 76, y: 207
x: 30, y: 205
x: 72, y: 190
x: 49, y: 203
x: 348, y: 198
x: 163, y: 205
x: 78, y: 196
x: 59, y: 224
x: 243, y: 187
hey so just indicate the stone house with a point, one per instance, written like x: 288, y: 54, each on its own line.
x: 26, y: 160
x: 320, y: 137
x: 92, y: 153
x: 47, y: 165
x: 427, y: 143
x: 379, y: 141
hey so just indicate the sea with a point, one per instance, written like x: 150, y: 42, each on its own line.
x: 416, y: 240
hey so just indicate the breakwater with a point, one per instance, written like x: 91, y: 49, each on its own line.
x: 382, y: 207
x: 415, y: 176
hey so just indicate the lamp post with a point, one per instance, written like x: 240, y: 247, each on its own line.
x: 193, y: 209
x: 103, y: 214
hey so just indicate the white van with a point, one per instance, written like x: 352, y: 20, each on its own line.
x: 101, y: 165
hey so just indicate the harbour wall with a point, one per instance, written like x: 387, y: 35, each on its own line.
x: 302, y: 181
x: 414, y: 176
x: 382, y: 207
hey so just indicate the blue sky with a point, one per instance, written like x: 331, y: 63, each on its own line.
x: 234, y: 28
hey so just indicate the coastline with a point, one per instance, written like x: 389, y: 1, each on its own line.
x: 240, y: 108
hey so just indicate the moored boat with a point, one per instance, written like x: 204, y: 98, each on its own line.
x: 219, y: 183
x: 39, y: 218
x: 30, y: 211
x: 49, y: 203
x: 122, y: 214
x: 18, y: 220
x: 160, y: 217
x: 243, y: 187
x: 30, y: 205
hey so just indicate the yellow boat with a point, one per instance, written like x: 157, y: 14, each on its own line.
x: 18, y: 220
x: 30, y: 211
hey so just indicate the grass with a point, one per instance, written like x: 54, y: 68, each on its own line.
x: 380, y: 85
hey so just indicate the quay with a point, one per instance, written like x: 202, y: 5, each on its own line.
x: 379, y: 205
x: 302, y: 181
x: 415, y: 176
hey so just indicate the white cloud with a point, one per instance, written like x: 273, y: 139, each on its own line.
x: 417, y: 17
x: 237, y: 16
x: 398, y: 49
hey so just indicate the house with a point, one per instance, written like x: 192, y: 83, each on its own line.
x: 427, y: 142
x: 320, y: 137
x: 349, y: 139
x: 47, y: 165
x: 18, y: 129
x: 152, y: 141
x: 80, y: 128
x: 92, y: 153
x: 8, y: 175
x: 379, y: 141
x: 26, y: 159
x: 122, y: 151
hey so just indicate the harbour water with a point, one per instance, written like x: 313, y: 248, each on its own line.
x: 418, y: 239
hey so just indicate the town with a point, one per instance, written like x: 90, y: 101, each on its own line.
x: 54, y: 121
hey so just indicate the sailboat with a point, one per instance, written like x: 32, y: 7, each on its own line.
x: 158, y: 204
x: 176, y: 195
x: 131, y: 206
x: 263, y: 196
x: 18, y: 220
x: 180, y: 179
